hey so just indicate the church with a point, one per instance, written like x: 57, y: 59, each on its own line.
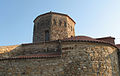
x: 57, y: 51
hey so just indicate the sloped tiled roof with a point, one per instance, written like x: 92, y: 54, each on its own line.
x: 84, y: 38
x: 87, y: 39
x: 105, y: 38
x: 80, y: 38
x: 58, y: 54
x: 118, y: 45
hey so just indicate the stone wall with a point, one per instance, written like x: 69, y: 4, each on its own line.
x: 62, y: 27
x: 42, y: 24
x: 28, y: 49
x: 59, y: 26
x: 5, y: 50
x: 92, y: 59
x: 70, y: 27
x: 119, y: 58
x: 77, y: 59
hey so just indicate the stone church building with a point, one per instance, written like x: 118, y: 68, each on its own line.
x: 57, y: 51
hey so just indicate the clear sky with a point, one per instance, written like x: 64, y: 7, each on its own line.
x: 94, y: 18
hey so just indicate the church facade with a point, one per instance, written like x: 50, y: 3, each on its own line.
x: 56, y: 51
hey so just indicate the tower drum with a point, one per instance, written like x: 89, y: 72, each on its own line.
x: 53, y: 26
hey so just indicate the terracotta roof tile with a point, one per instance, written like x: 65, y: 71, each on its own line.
x: 107, y: 39
x: 87, y: 39
x: 84, y: 38
x: 79, y: 38
x: 52, y: 55
x: 40, y: 55
x: 118, y: 45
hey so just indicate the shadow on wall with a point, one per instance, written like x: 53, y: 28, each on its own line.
x: 5, y: 51
x: 78, y: 59
x: 29, y: 49
x: 118, y: 53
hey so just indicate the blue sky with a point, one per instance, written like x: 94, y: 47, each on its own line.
x: 94, y: 18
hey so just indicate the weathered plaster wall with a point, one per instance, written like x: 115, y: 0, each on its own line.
x: 77, y: 59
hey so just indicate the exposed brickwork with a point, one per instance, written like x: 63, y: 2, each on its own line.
x: 77, y: 59
x: 107, y: 39
x: 58, y: 25
x: 69, y: 56
x: 41, y: 24
x: 4, y: 50
x: 34, y: 48
x: 118, y: 46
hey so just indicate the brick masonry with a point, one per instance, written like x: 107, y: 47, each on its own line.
x: 77, y: 56
x: 77, y: 59
x: 59, y: 27
x: 4, y: 50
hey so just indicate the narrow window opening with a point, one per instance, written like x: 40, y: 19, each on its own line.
x: 47, y: 37
x: 65, y: 24
x: 60, y: 23
x: 54, y: 22
x: 71, y: 28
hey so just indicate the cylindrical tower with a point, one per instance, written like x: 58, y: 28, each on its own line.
x: 53, y: 26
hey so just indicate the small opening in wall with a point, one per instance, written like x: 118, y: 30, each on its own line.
x: 60, y: 22
x: 65, y: 24
x: 71, y: 28
x: 47, y: 37
x: 23, y: 73
x: 54, y: 22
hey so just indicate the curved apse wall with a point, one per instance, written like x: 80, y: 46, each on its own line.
x: 77, y: 59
